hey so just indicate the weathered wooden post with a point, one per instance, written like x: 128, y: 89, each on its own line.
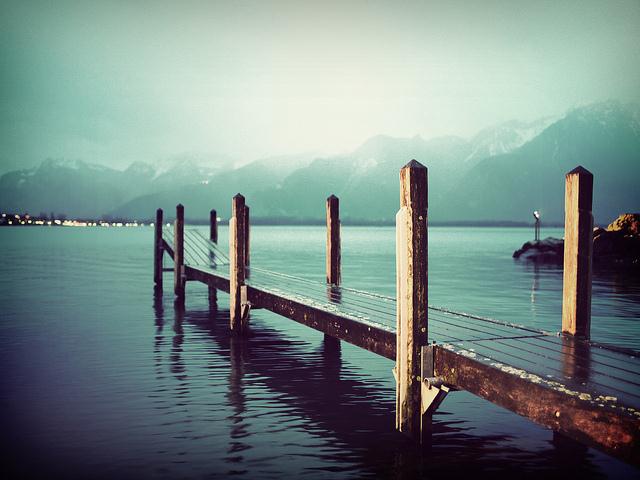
x: 178, y: 253
x: 333, y: 258
x: 578, y: 248
x: 158, y: 251
x: 237, y: 245
x: 213, y: 236
x: 213, y: 226
x: 411, y: 273
x: 333, y: 240
x: 247, y: 229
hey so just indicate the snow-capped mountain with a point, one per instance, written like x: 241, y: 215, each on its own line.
x: 80, y: 189
x: 502, y: 173
x: 505, y: 138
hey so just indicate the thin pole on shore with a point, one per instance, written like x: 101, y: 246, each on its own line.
x: 158, y: 251
x: 178, y: 254
x: 333, y: 260
x: 578, y: 251
x: 411, y: 274
x: 237, y: 269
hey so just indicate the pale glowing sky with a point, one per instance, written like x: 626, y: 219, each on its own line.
x: 114, y: 82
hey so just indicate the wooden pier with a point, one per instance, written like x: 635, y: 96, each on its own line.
x: 561, y: 380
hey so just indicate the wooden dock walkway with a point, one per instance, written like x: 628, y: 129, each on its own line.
x: 561, y: 380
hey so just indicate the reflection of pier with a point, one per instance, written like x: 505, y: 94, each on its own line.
x: 587, y: 392
x: 345, y: 409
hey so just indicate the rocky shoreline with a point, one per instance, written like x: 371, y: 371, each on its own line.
x: 618, y: 245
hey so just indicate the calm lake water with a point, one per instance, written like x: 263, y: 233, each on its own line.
x: 103, y: 380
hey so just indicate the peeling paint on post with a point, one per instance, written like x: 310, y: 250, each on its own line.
x: 578, y: 248
x: 411, y: 272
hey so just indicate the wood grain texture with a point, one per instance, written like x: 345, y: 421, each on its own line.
x: 578, y: 248
x: 411, y: 263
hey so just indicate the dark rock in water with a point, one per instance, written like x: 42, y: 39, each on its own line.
x: 549, y: 250
x: 629, y: 223
x: 618, y: 245
x: 620, y: 242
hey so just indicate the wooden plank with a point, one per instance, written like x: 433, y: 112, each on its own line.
x: 369, y: 337
x: 613, y: 430
x: 167, y: 248
x: 333, y: 241
x: 575, y: 375
x: 578, y: 248
x: 237, y: 266
x: 158, y: 250
x: 178, y: 253
x: 209, y: 278
x: 411, y: 228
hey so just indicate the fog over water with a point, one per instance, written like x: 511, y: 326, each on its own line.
x: 116, y: 82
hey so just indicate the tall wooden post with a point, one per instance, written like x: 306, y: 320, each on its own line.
x: 578, y: 249
x: 158, y: 251
x: 247, y: 229
x: 213, y: 226
x: 178, y: 253
x: 333, y: 240
x: 333, y: 259
x: 213, y: 236
x: 411, y: 272
x: 237, y: 245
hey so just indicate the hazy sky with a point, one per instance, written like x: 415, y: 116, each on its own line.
x: 114, y: 82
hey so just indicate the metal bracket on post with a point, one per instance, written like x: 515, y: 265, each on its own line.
x: 245, y: 304
x: 432, y: 388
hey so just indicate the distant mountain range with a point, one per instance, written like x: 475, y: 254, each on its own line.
x: 501, y: 174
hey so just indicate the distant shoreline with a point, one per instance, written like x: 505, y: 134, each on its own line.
x: 13, y: 220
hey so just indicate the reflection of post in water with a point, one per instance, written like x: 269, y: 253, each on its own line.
x: 576, y: 364
x: 177, y: 365
x: 236, y: 396
x: 334, y: 295
x: 576, y: 359
x: 158, y: 309
x: 158, y: 341
x: 331, y: 359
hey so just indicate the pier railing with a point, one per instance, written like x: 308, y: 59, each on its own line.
x: 561, y: 380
